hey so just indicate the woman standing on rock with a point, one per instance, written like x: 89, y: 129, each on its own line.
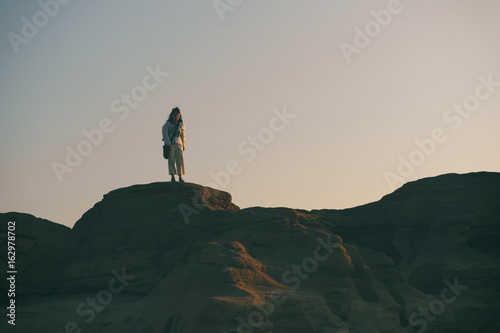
x: 173, y: 136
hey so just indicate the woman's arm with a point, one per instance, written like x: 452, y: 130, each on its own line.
x: 183, y: 136
x: 164, y: 132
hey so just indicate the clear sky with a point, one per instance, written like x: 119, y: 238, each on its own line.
x: 310, y: 104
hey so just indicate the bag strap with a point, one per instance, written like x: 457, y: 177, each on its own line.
x: 173, y: 133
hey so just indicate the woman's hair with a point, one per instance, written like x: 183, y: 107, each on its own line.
x: 175, y: 110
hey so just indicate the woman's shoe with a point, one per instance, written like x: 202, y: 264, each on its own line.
x: 181, y: 180
x: 172, y: 179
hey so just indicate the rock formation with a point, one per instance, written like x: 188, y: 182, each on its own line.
x: 175, y: 258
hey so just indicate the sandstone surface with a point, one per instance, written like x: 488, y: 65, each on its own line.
x: 172, y: 258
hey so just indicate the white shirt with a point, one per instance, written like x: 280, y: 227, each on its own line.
x: 178, y: 138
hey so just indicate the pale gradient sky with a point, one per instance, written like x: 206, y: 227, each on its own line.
x: 352, y: 120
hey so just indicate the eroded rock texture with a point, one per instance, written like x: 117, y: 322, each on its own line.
x: 170, y: 257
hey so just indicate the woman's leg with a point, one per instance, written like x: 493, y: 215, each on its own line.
x: 179, y: 161
x: 171, y: 164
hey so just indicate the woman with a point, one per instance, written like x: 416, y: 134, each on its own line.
x: 173, y: 136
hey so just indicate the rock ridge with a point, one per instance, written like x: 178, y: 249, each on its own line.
x: 170, y: 257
